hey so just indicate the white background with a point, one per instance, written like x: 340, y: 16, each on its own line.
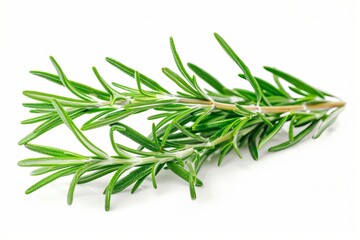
x: 310, y: 191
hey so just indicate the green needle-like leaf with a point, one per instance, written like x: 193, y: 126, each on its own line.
x: 297, y: 138
x: 136, y: 137
x: 192, y: 187
x: 302, y: 121
x: 79, y: 86
x: 212, y: 81
x: 38, y: 119
x: 115, y: 95
x: 190, y: 134
x: 141, y: 180
x: 180, y: 82
x: 201, y: 117
x: 329, y: 120
x: 295, y: 81
x: 52, y: 161
x: 214, y: 124
x: 243, y: 110
x: 111, y: 185
x: 66, y: 82
x: 65, y: 101
x: 81, y: 137
x: 236, y: 145
x: 51, y: 151
x: 177, y: 119
x: 128, y: 89
x: 267, y: 87
x: 144, y: 79
x: 253, y: 146
x: 274, y: 131
x: 291, y: 129
x: 76, y: 178
x: 245, y: 94
x: 154, y: 136
x: 138, y: 82
x: 224, y: 151
x: 39, y: 105
x: 298, y: 91
x: 42, y: 170
x: 264, y: 119
x: 138, y: 183
x: 241, y: 64
x: 153, y: 174
x: 182, y: 173
x: 241, y: 124
x: 115, y: 117
x: 51, y: 178
x: 96, y: 117
x: 97, y: 174
x: 230, y: 126
x: 178, y: 61
x: 49, y: 124
x: 157, y: 116
x: 167, y: 132
x: 132, y: 177
x: 280, y: 86
x: 135, y: 151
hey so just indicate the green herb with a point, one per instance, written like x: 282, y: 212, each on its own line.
x: 190, y: 125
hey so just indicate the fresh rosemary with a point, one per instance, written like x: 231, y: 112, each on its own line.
x: 191, y: 124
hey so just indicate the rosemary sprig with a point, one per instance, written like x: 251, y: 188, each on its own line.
x: 191, y: 124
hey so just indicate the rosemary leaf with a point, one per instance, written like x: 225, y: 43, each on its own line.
x: 132, y: 177
x: 297, y: 138
x: 79, y: 86
x: 144, y: 79
x: 212, y: 81
x: 273, y: 132
x: 241, y: 64
x: 329, y: 120
x: 111, y: 185
x: 51, y: 178
x: 67, y: 83
x: 182, y: 173
x: 81, y: 137
x: 51, y: 151
x: 295, y: 81
x: 136, y: 136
